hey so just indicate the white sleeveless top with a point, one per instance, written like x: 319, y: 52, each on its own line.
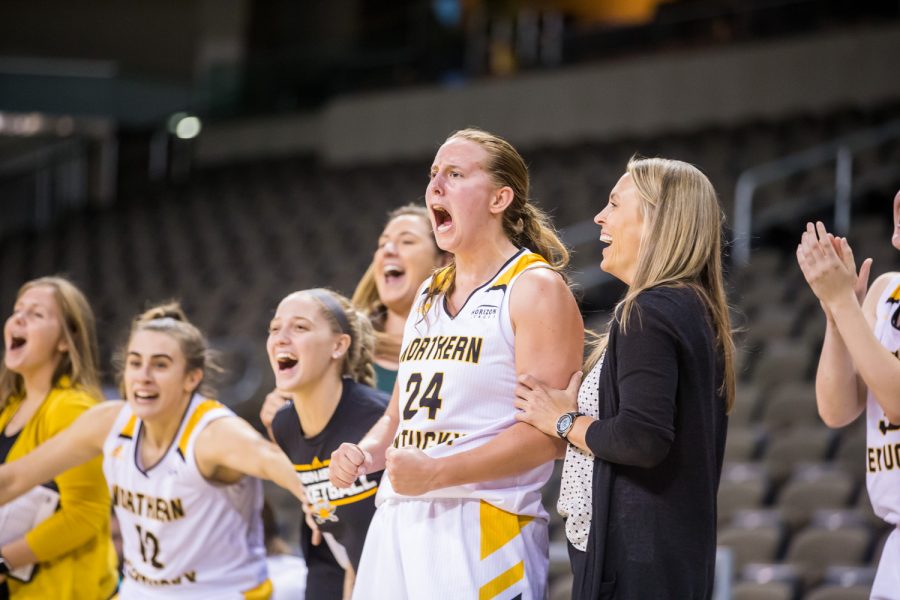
x: 182, y: 535
x: 457, y: 380
x: 883, y: 438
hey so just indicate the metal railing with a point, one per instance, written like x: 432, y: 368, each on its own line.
x: 36, y: 184
x: 842, y: 151
x: 40, y: 183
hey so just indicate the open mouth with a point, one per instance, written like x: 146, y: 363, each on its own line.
x: 393, y: 273
x: 286, y: 361
x: 16, y: 342
x: 442, y: 219
x: 144, y: 396
x: 606, y: 238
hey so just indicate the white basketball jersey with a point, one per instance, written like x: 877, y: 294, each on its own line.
x: 182, y: 535
x: 883, y: 437
x: 457, y: 382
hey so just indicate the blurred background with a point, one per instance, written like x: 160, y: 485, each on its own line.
x: 227, y: 152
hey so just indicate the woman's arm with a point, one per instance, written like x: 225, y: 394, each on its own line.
x: 76, y: 444
x: 840, y: 392
x: 549, y: 345
x: 71, y: 458
x: 833, y: 279
x: 642, y: 431
x: 646, y: 356
x: 878, y: 368
x: 351, y: 461
x: 229, y: 448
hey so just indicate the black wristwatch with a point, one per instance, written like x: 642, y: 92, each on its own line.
x: 565, y: 423
x: 4, y: 566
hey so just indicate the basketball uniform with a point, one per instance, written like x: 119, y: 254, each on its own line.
x: 342, y: 515
x: 456, y: 382
x: 883, y: 452
x: 182, y: 535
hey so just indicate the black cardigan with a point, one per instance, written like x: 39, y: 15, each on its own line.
x: 659, y: 445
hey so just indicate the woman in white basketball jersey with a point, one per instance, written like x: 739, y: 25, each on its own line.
x: 460, y: 513
x: 182, y: 470
x: 859, y: 371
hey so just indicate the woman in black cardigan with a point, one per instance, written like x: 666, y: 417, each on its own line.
x: 646, y: 429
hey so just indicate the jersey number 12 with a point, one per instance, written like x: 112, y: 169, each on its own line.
x: 149, y: 547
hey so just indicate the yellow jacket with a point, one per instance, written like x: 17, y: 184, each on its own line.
x: 74, y: 549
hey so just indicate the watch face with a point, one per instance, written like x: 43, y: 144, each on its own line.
x: 564, y: 423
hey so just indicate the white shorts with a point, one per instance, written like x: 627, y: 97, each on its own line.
x: 887, y: 579
x: 453, y: 548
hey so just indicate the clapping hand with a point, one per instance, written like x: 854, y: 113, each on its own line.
x: 829, y: 268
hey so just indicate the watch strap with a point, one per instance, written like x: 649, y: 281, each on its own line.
x: 574, y: 414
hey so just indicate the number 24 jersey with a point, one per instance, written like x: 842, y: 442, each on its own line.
x: 457, y: 380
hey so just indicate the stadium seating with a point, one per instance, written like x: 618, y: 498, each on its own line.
x: 237, y: 238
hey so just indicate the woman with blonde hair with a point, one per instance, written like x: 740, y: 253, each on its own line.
x: 646, y: 430
x: 320, y: 349
x: 182, y: 469
x: 407, y: 254
x: 460, y: 512
x: 47, y: 380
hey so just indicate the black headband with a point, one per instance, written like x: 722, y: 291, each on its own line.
x: 333, y: 307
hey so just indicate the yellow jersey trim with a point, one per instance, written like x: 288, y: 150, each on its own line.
x: 128, y: 430
x: 315, y: 464
x: 522, y: 263
x: 356, y: 498
x: 201, y: 409
x: 895, y: 296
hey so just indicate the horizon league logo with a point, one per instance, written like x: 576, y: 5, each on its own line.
x: 485, y: 311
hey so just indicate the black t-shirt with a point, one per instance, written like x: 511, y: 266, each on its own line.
x: 344, y: 514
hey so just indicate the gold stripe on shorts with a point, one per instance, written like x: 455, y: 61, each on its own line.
x: 502, y: 581
x: 498, y: 527
x: 261, y: 592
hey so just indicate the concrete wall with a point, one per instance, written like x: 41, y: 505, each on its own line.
x: 641, y: 96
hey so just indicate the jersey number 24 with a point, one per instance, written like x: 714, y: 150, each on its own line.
x: 430, y: 398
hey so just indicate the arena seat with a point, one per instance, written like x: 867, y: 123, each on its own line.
x: 752, y: 544
x: 812, y: 550
x: 793, y: 446
x: 812, y: 489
